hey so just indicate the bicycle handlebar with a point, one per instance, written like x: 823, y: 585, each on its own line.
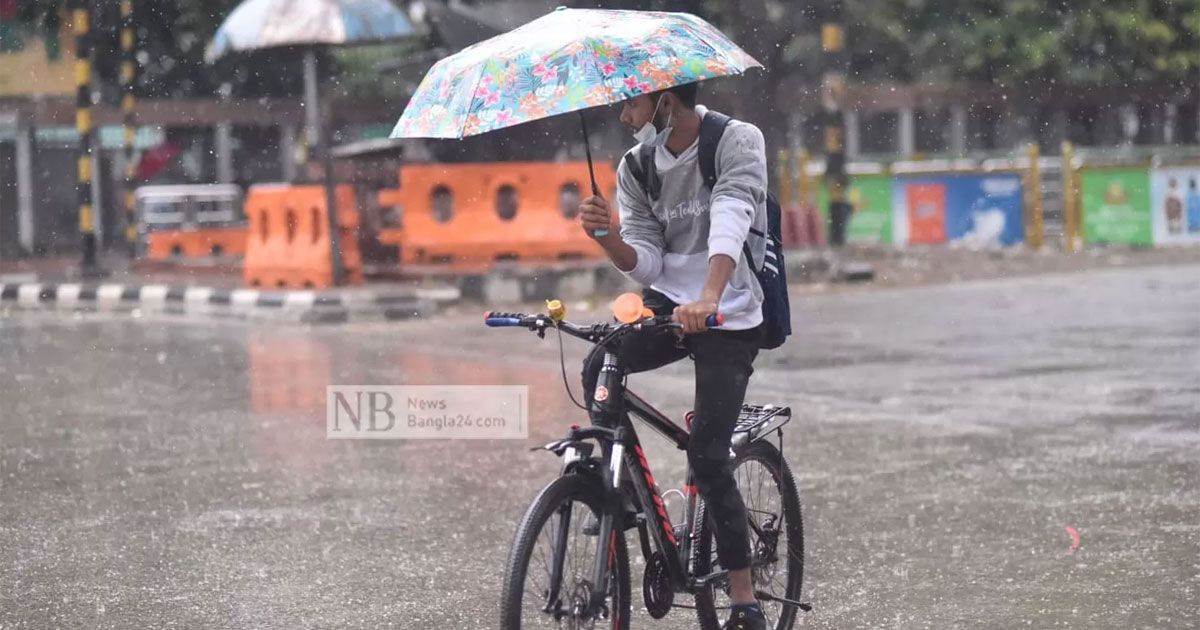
x: 594, y: 332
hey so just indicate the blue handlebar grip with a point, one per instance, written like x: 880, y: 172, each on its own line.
x: 600, y: 233
x: 714, y: 320
x: 497, y: 322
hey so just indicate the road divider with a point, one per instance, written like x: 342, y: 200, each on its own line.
x: 327, y: 306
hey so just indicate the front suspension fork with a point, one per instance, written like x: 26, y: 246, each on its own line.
x: 606, y: 537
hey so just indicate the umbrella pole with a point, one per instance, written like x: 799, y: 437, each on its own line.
x: 317, y: 138
x: 587, y: 147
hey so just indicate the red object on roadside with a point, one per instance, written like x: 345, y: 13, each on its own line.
x: 155, y: 160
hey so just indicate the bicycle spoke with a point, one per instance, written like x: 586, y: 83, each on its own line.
x: 575, y: 572
x: 762, y: 494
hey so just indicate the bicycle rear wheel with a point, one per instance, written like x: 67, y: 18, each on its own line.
x: 525, y: 604
x: 776, y: 538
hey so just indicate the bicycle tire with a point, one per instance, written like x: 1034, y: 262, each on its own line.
x: 574, y: 488
x: 768, y: 455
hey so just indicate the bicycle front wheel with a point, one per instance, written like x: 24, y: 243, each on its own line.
x: 776, y: 538
x: 550, y: 540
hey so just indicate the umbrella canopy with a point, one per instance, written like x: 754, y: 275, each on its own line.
x: 566, y: 61
x: 256, y: 24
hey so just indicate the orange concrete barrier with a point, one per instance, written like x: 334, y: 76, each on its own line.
x: 266, y: 246
x: 196, y: 243
x: 483, y: 212
x: 288, y: 243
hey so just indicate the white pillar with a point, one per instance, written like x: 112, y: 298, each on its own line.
x: 287, y: 151
x: 796, y: 123
x: 958, y: 130
x: 99, y: 207
x: 224, y: 142
x: 25, y: 187
x: 311, y: 103
x: 1129, y: 124
x: 853, y: 139
x: 1169, y: 122
x: 906, y: 132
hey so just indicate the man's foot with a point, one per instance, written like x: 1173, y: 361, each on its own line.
x: 745, y: 617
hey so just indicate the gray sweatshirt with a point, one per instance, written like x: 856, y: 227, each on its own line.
x: 675, y: 236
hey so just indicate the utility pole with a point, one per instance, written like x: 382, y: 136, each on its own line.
x: 128, y: 74
x: 81, y: 27
x: 833, y: 97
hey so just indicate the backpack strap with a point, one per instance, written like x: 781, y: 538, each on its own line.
x: 712, y: 127
x: 640, y: 162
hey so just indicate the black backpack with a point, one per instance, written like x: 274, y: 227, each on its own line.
x: 772, y: 276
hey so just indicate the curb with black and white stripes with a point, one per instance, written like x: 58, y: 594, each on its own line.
x: 296, y: 306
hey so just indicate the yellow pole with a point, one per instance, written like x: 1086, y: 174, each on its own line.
x: 128, y: 69
x: 1070, y: 198
x: 785, y: 179
x: 81, y: 27
x: 1033, y: 199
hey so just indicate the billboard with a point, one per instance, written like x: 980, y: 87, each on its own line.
x: 871, y: 198
x: 984, y: 209
x: 1116, y: 206
x: 1175, y: 205
x: 871, y: 222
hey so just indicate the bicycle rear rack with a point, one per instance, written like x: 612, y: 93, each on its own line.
x: 758, y: 421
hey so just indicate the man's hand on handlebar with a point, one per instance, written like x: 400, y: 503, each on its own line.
x: 694, y: 316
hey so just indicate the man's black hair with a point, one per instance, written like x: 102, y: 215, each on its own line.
x: 686, y: 93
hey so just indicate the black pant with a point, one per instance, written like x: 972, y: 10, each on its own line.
x: 724, y: 361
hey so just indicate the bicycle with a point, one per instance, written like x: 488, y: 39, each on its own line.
x: 679, y: 558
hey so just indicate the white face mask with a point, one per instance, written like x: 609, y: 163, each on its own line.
x: 649, y: 135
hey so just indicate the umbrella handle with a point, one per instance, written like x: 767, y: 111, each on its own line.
x: 587, y: 147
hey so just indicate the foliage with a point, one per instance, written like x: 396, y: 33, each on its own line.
x: 1068, y: 42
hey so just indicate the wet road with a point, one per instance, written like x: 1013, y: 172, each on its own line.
x: 175, y: 474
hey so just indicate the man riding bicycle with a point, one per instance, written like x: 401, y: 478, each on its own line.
x: 685, y: 244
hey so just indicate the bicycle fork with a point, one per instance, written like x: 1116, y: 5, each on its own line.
x: 606, y: 538
x: 613, y: 450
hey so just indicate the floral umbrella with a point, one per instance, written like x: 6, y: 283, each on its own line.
x: 568, y: 60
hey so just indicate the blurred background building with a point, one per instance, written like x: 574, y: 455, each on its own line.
x: 925, y: 78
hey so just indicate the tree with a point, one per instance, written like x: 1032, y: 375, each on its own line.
x: 1074, y: 43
